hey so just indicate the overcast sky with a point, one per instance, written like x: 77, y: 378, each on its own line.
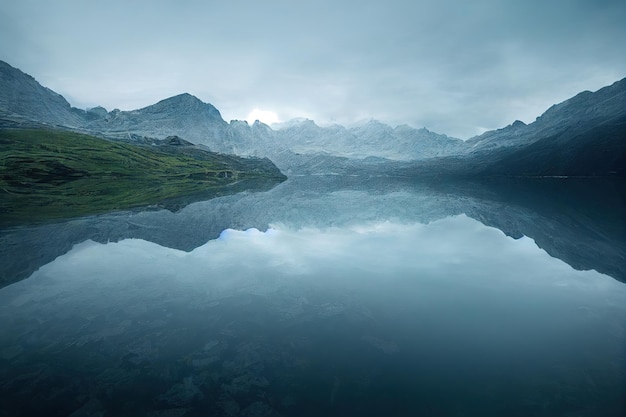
x: 455, y: 67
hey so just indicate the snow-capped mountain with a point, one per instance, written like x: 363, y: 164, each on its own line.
x: 585, y: 135
x: 369, y: 139
x: 188, y: 117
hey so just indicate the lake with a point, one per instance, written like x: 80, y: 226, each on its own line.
x: 325, y: 296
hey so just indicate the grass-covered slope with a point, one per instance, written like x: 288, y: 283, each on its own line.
x: 51, y: 174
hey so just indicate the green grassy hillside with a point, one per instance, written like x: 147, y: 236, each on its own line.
x: 46, y: 174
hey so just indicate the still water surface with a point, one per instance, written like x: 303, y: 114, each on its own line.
x: 311, y: 300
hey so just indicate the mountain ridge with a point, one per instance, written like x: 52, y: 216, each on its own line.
x: 567, y: 139
x: 22, y: 96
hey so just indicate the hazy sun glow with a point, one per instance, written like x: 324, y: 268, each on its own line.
x: 264, y: 116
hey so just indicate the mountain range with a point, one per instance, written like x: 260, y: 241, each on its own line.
x: 583, y: 136
x: 580, y: 223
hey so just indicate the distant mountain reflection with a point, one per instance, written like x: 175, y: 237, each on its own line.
x: 582, y: 222
x: 371, y: 316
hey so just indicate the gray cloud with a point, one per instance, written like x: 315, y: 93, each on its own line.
x: 455, y: 67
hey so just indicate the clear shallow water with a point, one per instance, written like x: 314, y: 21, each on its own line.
x: 354, y: 301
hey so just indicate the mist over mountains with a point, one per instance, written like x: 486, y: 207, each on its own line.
x: 583, y: 136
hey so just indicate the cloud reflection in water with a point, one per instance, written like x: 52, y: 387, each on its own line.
x: 416, y: 307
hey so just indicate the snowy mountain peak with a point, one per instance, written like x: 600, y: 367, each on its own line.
x: 290, y: 123
x: 260, y: 126
x: 24, y: 101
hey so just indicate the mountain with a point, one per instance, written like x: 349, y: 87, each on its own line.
x: 580, y: 113
x: 592, y: 151
x: 24, y: 100
x: 370, y: 139
x: 183, y: 115
x: 53, y: 174
x: 583, y: 136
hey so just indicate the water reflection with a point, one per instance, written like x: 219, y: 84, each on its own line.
x: 581, y: 222
x: 363, y: 317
